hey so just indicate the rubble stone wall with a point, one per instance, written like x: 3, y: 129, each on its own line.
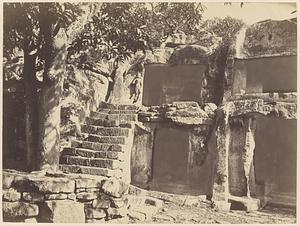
x: 70, y: 198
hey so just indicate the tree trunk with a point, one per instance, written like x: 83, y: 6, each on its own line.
x: 31, y: 111
x: 220, y: 77
x: 55, y: 53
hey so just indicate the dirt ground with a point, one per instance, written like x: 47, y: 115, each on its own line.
x: 172, y: 213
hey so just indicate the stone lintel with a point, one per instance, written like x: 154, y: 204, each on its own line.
x: 290, y: 97
x: 284, y: 110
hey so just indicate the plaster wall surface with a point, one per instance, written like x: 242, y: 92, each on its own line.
x: 164, y: 83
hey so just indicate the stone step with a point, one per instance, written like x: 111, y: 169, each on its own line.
x: 105, y: 131
x: 108, y: 123
x: 88, y: 153
x: 101, y: 122
x: 107, y: 139
x: 97, y: 146
x: 120, y: 117
x: 123, y: 112
x: 94, y: 162
x: 90, y: 170
x: 104, y: 105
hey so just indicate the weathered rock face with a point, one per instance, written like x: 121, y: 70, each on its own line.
x: 83, y: 92
x: 270, y: 38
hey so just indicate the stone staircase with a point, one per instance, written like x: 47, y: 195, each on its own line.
x: 104, y: 147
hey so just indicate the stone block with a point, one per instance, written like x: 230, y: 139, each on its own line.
x: 102, y: 147
x: 86, y: 196
x: 118, y: 202
x: 222, y: 206
x: 127, y: 107
x: 7, y: 180
x: 105, y: 131
x: 74, y: 160
x: 105, y: 163
x: 81, y: 152
x: 113, y: 117
x: 117, y: 212
x: 76, y: 143
x: 88, y: 182
x: 19, y: 209
x: 94, y: 213
x: 104, y: 105
x: 102, y: 202
x: 122, y: 112
x: 99, y: 115
x: 11, y: 195
x: 93, y: 189
x: 244, y: 203
x: 33, y: 197
x: 30, y: 220
x: 101, y: 171
x: 135, y: 215
x: 115, y: 187
x: 153, y: 202
x: 126, y: 124
x: 59, y: 196
x: 128, y: 117
x: 72, y: 196
x: 96, y: 221
x: 54, y: 185
x: 115, y: 155
x: 184, y: 104
x: 107, y: 139
x: 101, y: 122
x: 69, y: 168
x: 62, y: 211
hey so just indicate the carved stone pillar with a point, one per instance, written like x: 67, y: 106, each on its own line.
x: 221, y: 186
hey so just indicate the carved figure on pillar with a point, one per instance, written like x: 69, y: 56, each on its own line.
x: 248, y: 151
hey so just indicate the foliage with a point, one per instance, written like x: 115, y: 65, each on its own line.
x: 225, y: 28
x: 22, y: 30
x: 120, y: 29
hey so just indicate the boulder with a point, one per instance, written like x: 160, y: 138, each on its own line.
x: 115, y: 187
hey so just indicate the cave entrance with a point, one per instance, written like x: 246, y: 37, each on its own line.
x: 169, y: 159
x: 265, y: 74
x: 275, y: 159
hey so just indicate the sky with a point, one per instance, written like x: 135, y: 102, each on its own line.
x: 251, y: 12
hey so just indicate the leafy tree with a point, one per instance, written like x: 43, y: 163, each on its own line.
x: 37, y: 29
x: 119, y: 30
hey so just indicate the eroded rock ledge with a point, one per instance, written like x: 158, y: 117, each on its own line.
x: 181, y: 113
